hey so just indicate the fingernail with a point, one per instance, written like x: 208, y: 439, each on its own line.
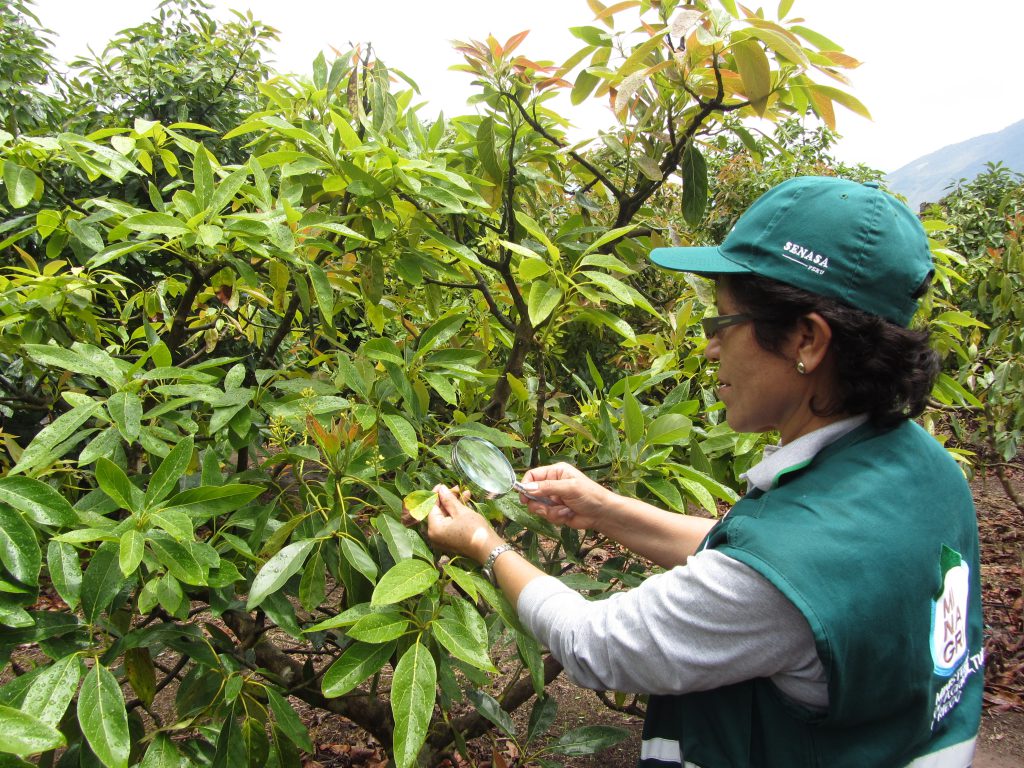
x: 529, y: 486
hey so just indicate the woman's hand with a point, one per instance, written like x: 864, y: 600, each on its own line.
x: 454, y: 527
x: 579, y: 501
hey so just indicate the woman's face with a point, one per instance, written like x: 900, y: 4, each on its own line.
x: 761, y: 390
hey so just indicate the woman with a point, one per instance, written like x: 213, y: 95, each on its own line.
x: 833, y: 617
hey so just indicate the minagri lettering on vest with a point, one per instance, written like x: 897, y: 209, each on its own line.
x: 949, y: 696
x: 813, y: 261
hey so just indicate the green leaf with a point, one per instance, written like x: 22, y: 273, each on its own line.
x: 102, y: 581
x: 227, y: 189
x: 41, y: 503
x: 634, y: 419
x: 288, y: 721
x: 125, y: 408
x: 21, y: 184
x: 65, y: 571
x: 609, y: 236
x: 202, y: 176
x: 487, y: 149
x: 356, y: 664
x: 408, y: 578
x: 141, y: 673
x: 156, y: 224
x: 461, y: 643
x: 412, y: 702
x: 588, y: 740
x: 438, y: 333
x: 161, y: 754
x: 53, y: 689
x: 53, y: 434
x: 277, y: 570
x: 133, y: 547
x: 582, y: 88
x: 607, y: 319
x: 102, y: 716
x: 463, y: 578
x: 208, y: 501
x: 167, y: 475
x: 542, y: 301
x: 532, y: 268
x: 419, y: 503
x: 19, y: 548
x: 402, y: 542
x: 86, y: 235
x: 102, y: 445
x: 323, y: 292
x: 669, y: 429
x: 534, y: 229
x: 24, y: 735
x: 115, y: 483
x: 638, y: 57
x: 178, y: 524
x: 357, y: 556
x: 313, y: 584
x: 404, y: 433
x: 694, y: 170
x: 613, y: 285
x: 489, y: 707
x: 83, y: 359
x: 379, y: 627
x: 667, y: 492
x: 543, y: 714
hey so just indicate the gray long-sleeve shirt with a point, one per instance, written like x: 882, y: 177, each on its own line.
x: 703, y: 625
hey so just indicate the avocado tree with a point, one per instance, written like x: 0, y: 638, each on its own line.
x: 222, y: 388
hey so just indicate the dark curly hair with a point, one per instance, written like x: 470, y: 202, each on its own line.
x: 882, y: 369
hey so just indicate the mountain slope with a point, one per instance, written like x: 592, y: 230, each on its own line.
x: 928, y: 178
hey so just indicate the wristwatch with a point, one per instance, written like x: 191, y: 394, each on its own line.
x: 488, y: 566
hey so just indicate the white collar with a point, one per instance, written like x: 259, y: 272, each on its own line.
x: 779, y: 459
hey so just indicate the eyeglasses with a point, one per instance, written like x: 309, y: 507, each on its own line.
x: 712, y: 325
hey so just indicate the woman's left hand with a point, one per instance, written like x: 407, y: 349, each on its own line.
x: 454, y: 527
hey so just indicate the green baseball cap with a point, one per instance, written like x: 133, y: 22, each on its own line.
x: 833, y: 237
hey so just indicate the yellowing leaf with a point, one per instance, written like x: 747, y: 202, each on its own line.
x: 755, y: 72
x: 419, y: 503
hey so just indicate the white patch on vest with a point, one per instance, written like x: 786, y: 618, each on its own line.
x: 955, y: 756
x: 663, y: 750
x: 805, y: 257
x: 949, y: 621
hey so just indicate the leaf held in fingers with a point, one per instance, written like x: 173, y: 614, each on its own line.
x: 419, y: 503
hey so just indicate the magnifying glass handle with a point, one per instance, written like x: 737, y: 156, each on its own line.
x: 534, y: 497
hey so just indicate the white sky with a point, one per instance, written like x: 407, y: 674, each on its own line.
x: 935, y: 72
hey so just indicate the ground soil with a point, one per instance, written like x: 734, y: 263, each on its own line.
x: 1001, y: 740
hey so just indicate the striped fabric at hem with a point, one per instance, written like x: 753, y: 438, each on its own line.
x: 667, y: 752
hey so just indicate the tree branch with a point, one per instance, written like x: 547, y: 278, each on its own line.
x: 367, y: 711
x: 533, y: 123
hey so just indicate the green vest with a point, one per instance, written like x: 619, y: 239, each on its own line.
x: 875, y: 541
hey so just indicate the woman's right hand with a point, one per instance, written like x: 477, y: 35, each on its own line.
x: 579, y: 502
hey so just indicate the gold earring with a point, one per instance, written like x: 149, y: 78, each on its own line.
x: 800, y: 367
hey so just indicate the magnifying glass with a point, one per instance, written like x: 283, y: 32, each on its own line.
x: 483, y: 464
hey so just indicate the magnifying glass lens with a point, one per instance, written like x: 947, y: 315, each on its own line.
x: 484, y: 465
